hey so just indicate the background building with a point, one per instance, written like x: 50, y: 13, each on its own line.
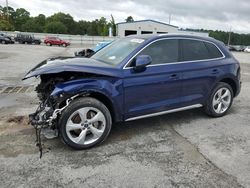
x: 144, y: 27
x: 151, y: 27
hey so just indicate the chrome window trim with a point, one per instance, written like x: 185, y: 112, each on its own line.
x: 129, y: 61
x: 165, y: 112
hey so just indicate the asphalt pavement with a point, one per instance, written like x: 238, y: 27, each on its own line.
x: 184, y: 149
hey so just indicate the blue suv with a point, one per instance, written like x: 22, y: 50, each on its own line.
x: 132, y: 78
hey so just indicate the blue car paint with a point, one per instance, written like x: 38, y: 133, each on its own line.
x: 111, y: 87
x: 73, y: 64
x: 157, y: 86
x: 157, y: 89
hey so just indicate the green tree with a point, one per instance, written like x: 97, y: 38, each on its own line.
x: 102, y: 27
x: 7, y: 16
x: 92, y: 29
x: 66, y: 19
x: 56, y: 27
x: 40, y: 19
x: 129, y: 19
x: 6, y: 25
x: 113, y: 25
x: 82, y: 27
x: 20, y: 17
x: 32, y: 26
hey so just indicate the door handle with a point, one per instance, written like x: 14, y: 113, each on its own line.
x: 215, y: 71
x: 174, y: 76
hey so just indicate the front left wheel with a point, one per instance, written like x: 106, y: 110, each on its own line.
x: 85, y: 123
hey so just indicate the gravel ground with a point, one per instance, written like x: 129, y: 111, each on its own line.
x: 185, y: 149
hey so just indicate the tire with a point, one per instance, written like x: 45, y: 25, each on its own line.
x: 3, y: 42
x: 78, y: 123
x: 220, y: 100
x: 49, y: 44
x: 64, y: 45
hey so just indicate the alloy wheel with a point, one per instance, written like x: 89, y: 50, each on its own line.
x: 222, y: 100
x: 86, y: 125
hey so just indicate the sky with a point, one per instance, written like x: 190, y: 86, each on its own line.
x: 223, y: 15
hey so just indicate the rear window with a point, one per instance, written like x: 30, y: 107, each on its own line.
x: 213, y: 50
x: 198, y: 50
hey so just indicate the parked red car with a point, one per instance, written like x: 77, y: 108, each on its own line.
x: 55, y: 41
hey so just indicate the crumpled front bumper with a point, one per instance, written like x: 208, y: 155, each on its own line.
x: 35, y: 121
x: 42, y: 117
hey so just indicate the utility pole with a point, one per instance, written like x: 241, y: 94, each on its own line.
x: 7, y: 8
x: 229, y: 36
x: 169, y: 19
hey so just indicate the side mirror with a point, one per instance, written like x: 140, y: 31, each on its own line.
x: 141, y: 62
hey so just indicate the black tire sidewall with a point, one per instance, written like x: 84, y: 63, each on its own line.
x: 209, y: 106
x: 75, y: 105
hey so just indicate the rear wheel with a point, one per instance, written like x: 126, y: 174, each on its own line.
x: 85, y: 123
x: 220, y: 100
x: 3, y: 42
x: 64, y: 45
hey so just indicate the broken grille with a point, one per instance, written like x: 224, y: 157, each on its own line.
x: 16, y: 89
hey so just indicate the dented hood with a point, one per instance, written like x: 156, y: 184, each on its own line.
x: 73, y: 64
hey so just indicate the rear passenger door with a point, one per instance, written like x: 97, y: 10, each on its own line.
x: 201, y: 61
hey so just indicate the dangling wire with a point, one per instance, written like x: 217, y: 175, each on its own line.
x: 38, y: 141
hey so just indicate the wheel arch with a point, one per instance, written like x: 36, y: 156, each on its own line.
x: 232, y: 83
x: 106, y: 101
x: 99, y: 96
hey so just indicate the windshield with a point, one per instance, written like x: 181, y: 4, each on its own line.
x: 117, y: 51
x: 100, y: 45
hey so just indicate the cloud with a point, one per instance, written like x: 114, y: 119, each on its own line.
x: 207, y: 14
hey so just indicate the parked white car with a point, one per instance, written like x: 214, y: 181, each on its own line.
x: 247, y: 49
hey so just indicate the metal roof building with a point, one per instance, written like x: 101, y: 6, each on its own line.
x: 144, y: 27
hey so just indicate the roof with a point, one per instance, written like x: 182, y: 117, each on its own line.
x: 171, y: 35
x: 148, y: 20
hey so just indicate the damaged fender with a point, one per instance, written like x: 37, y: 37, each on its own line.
x: 111, y: 89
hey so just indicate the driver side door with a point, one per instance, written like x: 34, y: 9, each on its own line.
x: 157, y: 88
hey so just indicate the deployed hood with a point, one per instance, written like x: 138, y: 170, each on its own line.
x: 72, y: 64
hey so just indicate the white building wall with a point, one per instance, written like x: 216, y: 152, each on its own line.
x: 154, y: 27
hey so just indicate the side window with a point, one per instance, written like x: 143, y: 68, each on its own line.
x: 194, y: 50
x: 163, y: 51
x: 213, y: 51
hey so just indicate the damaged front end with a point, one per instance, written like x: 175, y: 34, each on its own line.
x: 46, y: 118
x: 62, y: 80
